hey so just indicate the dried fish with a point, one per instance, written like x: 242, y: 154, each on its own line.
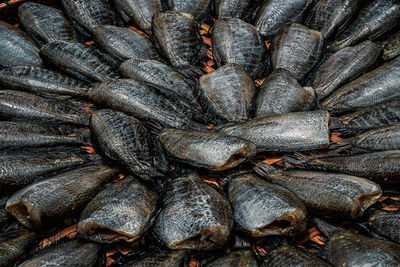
x: 161, y: 259
x: 207, y: 149
x: 297, y: 131
x: 261, y: 208
x: 241, y: 258
x: 195, y: 216
x: 17, y: 48
x: 45, y: 24
x: 385, y: 223
x: 280, y: 93
x: 241, y: 9
x: 14, y: 245
x: 198, y: 8
x: 236, y: 41
x: 391, y: 48
x: 296, y: 49
x: 228, y: 93
x: 291, y: 256
x: 57, y: 197
x: 81, y: 61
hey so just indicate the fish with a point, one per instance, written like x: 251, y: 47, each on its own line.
x: 332, y: 16
x: 236, y: 41
x: 124, y: 139
x: 45, y: 24
x: 57, y: 197
x: 359, y: 250
x: 228, y: 93
x: 241, y: 258
x: 371, y: 88
x: 273, y: 14
x: 21, y: 105
x: 162, y: 259
x: 124, y: 43
x: 194, y: 216
x: 296, y: 49
x: 280, y: 93
x: 324, y: 193
x: 205, y: 149
x: 161, y: 76
x: 296, y: 131
x: 198, y: 8
x: 244, y: 10
x: 384, y: 223
x: 42, y: 81
x: 87, y: 14
x: 140, y: 11
x: 145, y: 103
x: 79, y: 60
x: 15, y: 245
x: 71, y: 253
x: 122, y: 211
x: 391, y: 47
x: 374, y: 20
x: 17, y: 48
x: 261, y: 208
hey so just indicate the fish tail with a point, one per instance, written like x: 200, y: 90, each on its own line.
x: 341, y: 145
x: 264, y: 169
x: 336, y: 123
x: 295, y: 160
x: 328, y: 229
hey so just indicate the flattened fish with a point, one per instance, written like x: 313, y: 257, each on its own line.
x: 195, y: 216
x: 14, y: 245
x: 290, y: 256
x: 241, y: 258
x: 391, y: 48
x: 385, y: 223
x: 280, y: 93
x: 261, y: 208
x: 236, y: 41
x: 57, y: 197
x: 241, y: 9
x: 198, y: 8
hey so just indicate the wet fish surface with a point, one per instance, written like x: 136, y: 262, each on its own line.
x: 16, y: 244
x: 385, y: 223
x: 162, y: 259
x: 391, y: 48
x: 241, y: 258
x: 197, y: 8
x: 241, y: 9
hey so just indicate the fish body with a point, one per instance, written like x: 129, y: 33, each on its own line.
x: 291, y: 256
x: 161, y: 259
x: 385, y: 223
x: 198, y: 8
x: 241, y: 258
x: 15, y: 245
x: 242, y: 9
x: 391, y: 48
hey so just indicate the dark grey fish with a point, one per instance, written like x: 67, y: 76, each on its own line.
x: 207, y: 149
x: 15, y: 245
x: 198, y: 8
x: 124, y: 43
x: 194, y: 216
x: 58, y: 197
x: 228, y: 93
x: 280, y: 93
x: 236, y: 41
x: 161, y: 259
x: 241, y: 9
x: 261, y: 208
x: 273, y: 14
x: 122, y: 211
x: 45, y: 24
x: 331, y: 16
x: 296, y: 49
x: 375, y: 19
x: 344, y: 66
x: 324, y: 193
x: 79, y: 60
x: 290, y: 256
x: 42, y: 81
x: 241, y: 258
x: 17, y: 48
x: 391, y: 48
x: 373, y: 87
x: 385, y: 223
x: 125, y: 140
x: 72, y: 253
x: 20, y: 105
x: 161, y: 76
x: 297, y: 131
x: 144, y: 102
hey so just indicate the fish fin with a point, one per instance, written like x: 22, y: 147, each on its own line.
x: 336, y: 123
x: 263, y: 169
x: 298, y: 160
x: 340, y: 145
x: 327, y: 229
x: 191, y: 71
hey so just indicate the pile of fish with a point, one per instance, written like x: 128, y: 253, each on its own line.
x: 178, y: 169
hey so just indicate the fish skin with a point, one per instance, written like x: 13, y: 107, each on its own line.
x: 241, y: 9
x: 144, y: 102
x: 124, y: 43
x: 55, y: 198
x: 391, y: 48
x: 72, y: 253
x: 241, y: 258
x: 79, y: 60
x: 122, y: 211
x: 45, y: 24
x: 194, y: 216
x: 231, y: 38
x: 371, y: 88
x: 228, y: 92
x: 297, y: 131
x: 296, y: 49
x: 161, y: 76
x: 344, y: 66
x: 15, y: 245
x: 385, y: 223
x: 124, y: 139
x: 280, y: 93
x: 161, y: 259
x: 38, y: 80
x: 330, y: 16
x: 206, y: 149
x: 17, y: 48
x: 261, y: 208
x: 198, y: 8
x: 273, y: 14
